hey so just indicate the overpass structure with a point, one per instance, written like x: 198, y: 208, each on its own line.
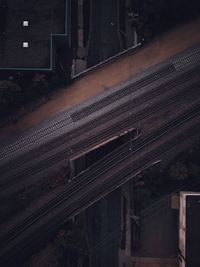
x: 145, y: 101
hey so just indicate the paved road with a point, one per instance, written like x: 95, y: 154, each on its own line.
x: 104, y: 37
x: 104, y: 230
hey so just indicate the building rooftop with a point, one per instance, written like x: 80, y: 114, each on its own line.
x: 192, y: 231
x: 27, y: 31
x: 189, y: 229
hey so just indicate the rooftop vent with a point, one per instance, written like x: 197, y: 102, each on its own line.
x: 25, y: 23
x: 25, y: 44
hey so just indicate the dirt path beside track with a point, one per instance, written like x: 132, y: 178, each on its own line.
x: 109, y: 75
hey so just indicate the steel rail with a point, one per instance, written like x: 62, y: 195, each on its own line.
x: 169, y: 68
x: 58, y: 141
x: 91, y: 140
x: 104, y: 165
x: 124, y: 174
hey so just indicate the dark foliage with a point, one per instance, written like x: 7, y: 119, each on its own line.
x: 26, y: 89
x: 157, y: 16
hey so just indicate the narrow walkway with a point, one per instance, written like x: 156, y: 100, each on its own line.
x: 111, y: 74
x: 127, y: 261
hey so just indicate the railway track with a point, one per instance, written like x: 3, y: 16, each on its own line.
x: 93, y: 107
x: 101, y: 167
x: 152, y: 75
x: 86, y: 111
x: 9, y: 180
x: 114, y: 169
x: 169, y: 67
x: 99, y: 186
x: 122, y: 108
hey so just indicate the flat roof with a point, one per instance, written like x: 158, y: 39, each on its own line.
x: 46, y: 19
x: 193, y: 230
x: 189, y: 229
